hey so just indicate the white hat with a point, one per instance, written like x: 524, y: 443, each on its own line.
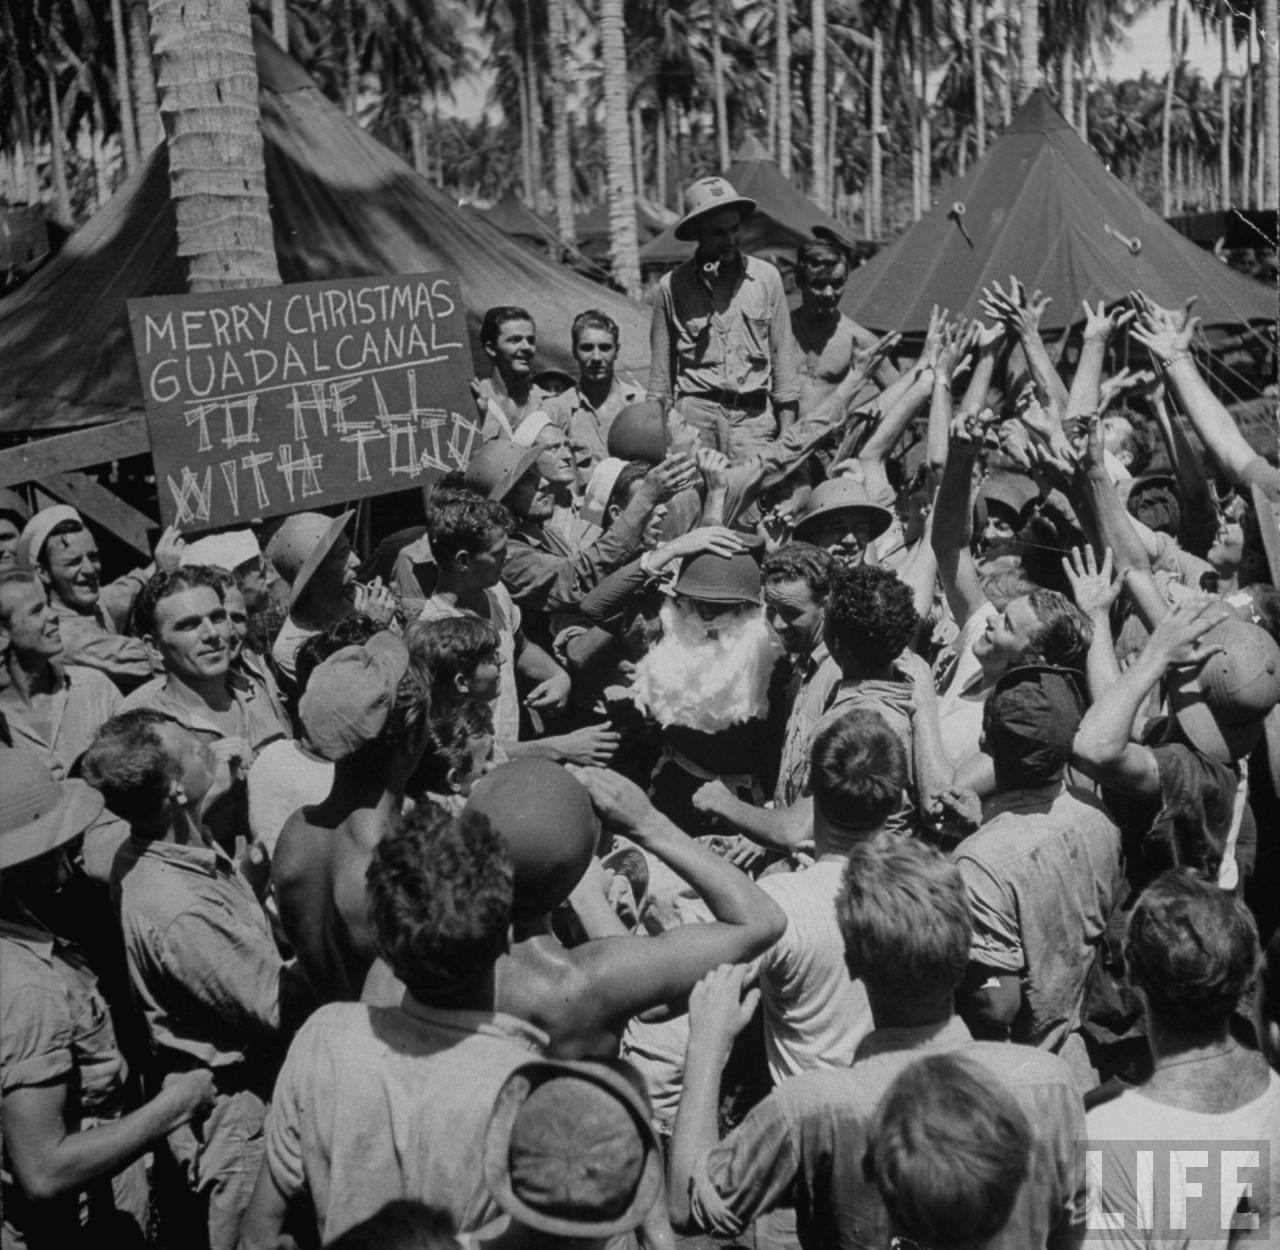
x: 228, y: 550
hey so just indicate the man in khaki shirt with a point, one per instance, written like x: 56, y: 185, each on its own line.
x: 721, y: 339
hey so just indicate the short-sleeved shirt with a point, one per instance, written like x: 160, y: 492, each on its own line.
x: 815, y: 1013
x: 505, y: 617
x: 1043, y: 877
x: 202, y: 960
x: 258, y: 720
x: 379, y: 1103
x: 708, y: 339
x: 1175, y: 1201
x: 809, y: 1138
x: 82, y: 701
x: 55, y: 1029
x: 814, y: 681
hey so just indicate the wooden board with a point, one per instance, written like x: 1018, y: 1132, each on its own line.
x: 78, y: 449
x: 277, y: 399
x: 96, y: 503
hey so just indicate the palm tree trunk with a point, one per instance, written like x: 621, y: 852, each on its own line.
x: 204, y: 53
x: 1224, y: 143
x: 877, y: 127
x: 782, y: 21
x: 350, y: 61
x: 1271, y: 102
x: 624, y: 245
x: 1066, y: 69
x: 1029, y: 49
x: 979, y: 78
x: 717, y: 83
x: 280, y: 23
x: 1004, y: 19
x: 676, y: 139
x: 926, y: 130
x: 1166, y: 119
x: 128, y: 135
x: 57, y: 143
x: 660, y: 154
x: 438, y: 133
x: 21, y: 107
x: 533, y: 87
x: 1246, y: 121
x: 150, y: 132
x: 828, y: 204
x: 818, y: 103
x: 561, y: 157
x: 418, y: 153
x: 1082, y: 95
x: 637, y: 147
x: 526, y: 143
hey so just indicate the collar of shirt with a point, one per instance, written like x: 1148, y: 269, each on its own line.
x: 182, y: 704
x: 815, y: 660
x: 39, y: 942
x: 206, y: 861
x: 492, y: 1023
x: 61, y: 676
x: 945, y: 1035
x: 1028, y: 799
x: 96, y: 613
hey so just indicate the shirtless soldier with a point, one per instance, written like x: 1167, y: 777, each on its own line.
x: 826, y: 339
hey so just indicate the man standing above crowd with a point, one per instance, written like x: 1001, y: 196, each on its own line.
x: 585, y: 412
x: 721, y: 335
x: 509, y: 393
x: 827, y: 340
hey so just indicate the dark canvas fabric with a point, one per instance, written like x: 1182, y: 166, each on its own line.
x: 343, y: 206
x: 1039, y: 205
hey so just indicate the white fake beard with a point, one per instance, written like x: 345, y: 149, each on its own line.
x: 703, y: 683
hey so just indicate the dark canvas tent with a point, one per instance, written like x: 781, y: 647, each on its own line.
x: 784, y: 218
x: 1041, y: 205
x: 515, y: 218
x: 342, y: 206
x: 592, y: 228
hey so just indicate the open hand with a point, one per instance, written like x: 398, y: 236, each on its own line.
x: 550, y: 695
x: 1100, y: 325
x: 590, y: 745
x: 721, y: 1005
x: 1094, y: 589
x: 169, y: 548
x: 619, y: 801
x: 1179, y: 637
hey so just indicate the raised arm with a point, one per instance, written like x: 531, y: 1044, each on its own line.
x: 1103, y: 747
x: 1095, y: 591
x: 1099, y: 325
x: 1168, y: 337
x: 953, y: 526
x: 1021, y: 314
x: 620, y: 977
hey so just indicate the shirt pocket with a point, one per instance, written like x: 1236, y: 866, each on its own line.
x: 696, y: 339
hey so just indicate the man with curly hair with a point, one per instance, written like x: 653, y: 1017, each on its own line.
x: 379, y: 1103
